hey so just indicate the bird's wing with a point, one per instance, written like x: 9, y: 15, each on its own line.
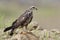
x: 28, y: 20
x: 22, y: 19
x: 19, y: 21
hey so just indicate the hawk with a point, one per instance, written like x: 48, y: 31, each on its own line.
x: 22, y: 21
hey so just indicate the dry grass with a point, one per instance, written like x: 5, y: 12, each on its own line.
x: 32, y: 35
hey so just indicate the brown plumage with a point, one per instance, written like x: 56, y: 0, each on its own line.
x: 22, y: 21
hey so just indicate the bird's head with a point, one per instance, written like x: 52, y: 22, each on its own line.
x: 33, y: 7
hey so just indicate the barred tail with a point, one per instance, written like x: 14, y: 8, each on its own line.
x: 8, y: 28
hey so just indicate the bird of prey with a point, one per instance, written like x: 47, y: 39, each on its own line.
x: 22, y: 21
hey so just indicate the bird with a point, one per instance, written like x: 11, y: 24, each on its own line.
x: 22, y: 20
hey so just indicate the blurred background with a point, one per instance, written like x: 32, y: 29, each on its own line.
x: 47, y: 15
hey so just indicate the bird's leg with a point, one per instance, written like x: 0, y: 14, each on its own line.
x: 24, y: 29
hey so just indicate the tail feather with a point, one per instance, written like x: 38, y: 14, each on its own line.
x: 8, y: 28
